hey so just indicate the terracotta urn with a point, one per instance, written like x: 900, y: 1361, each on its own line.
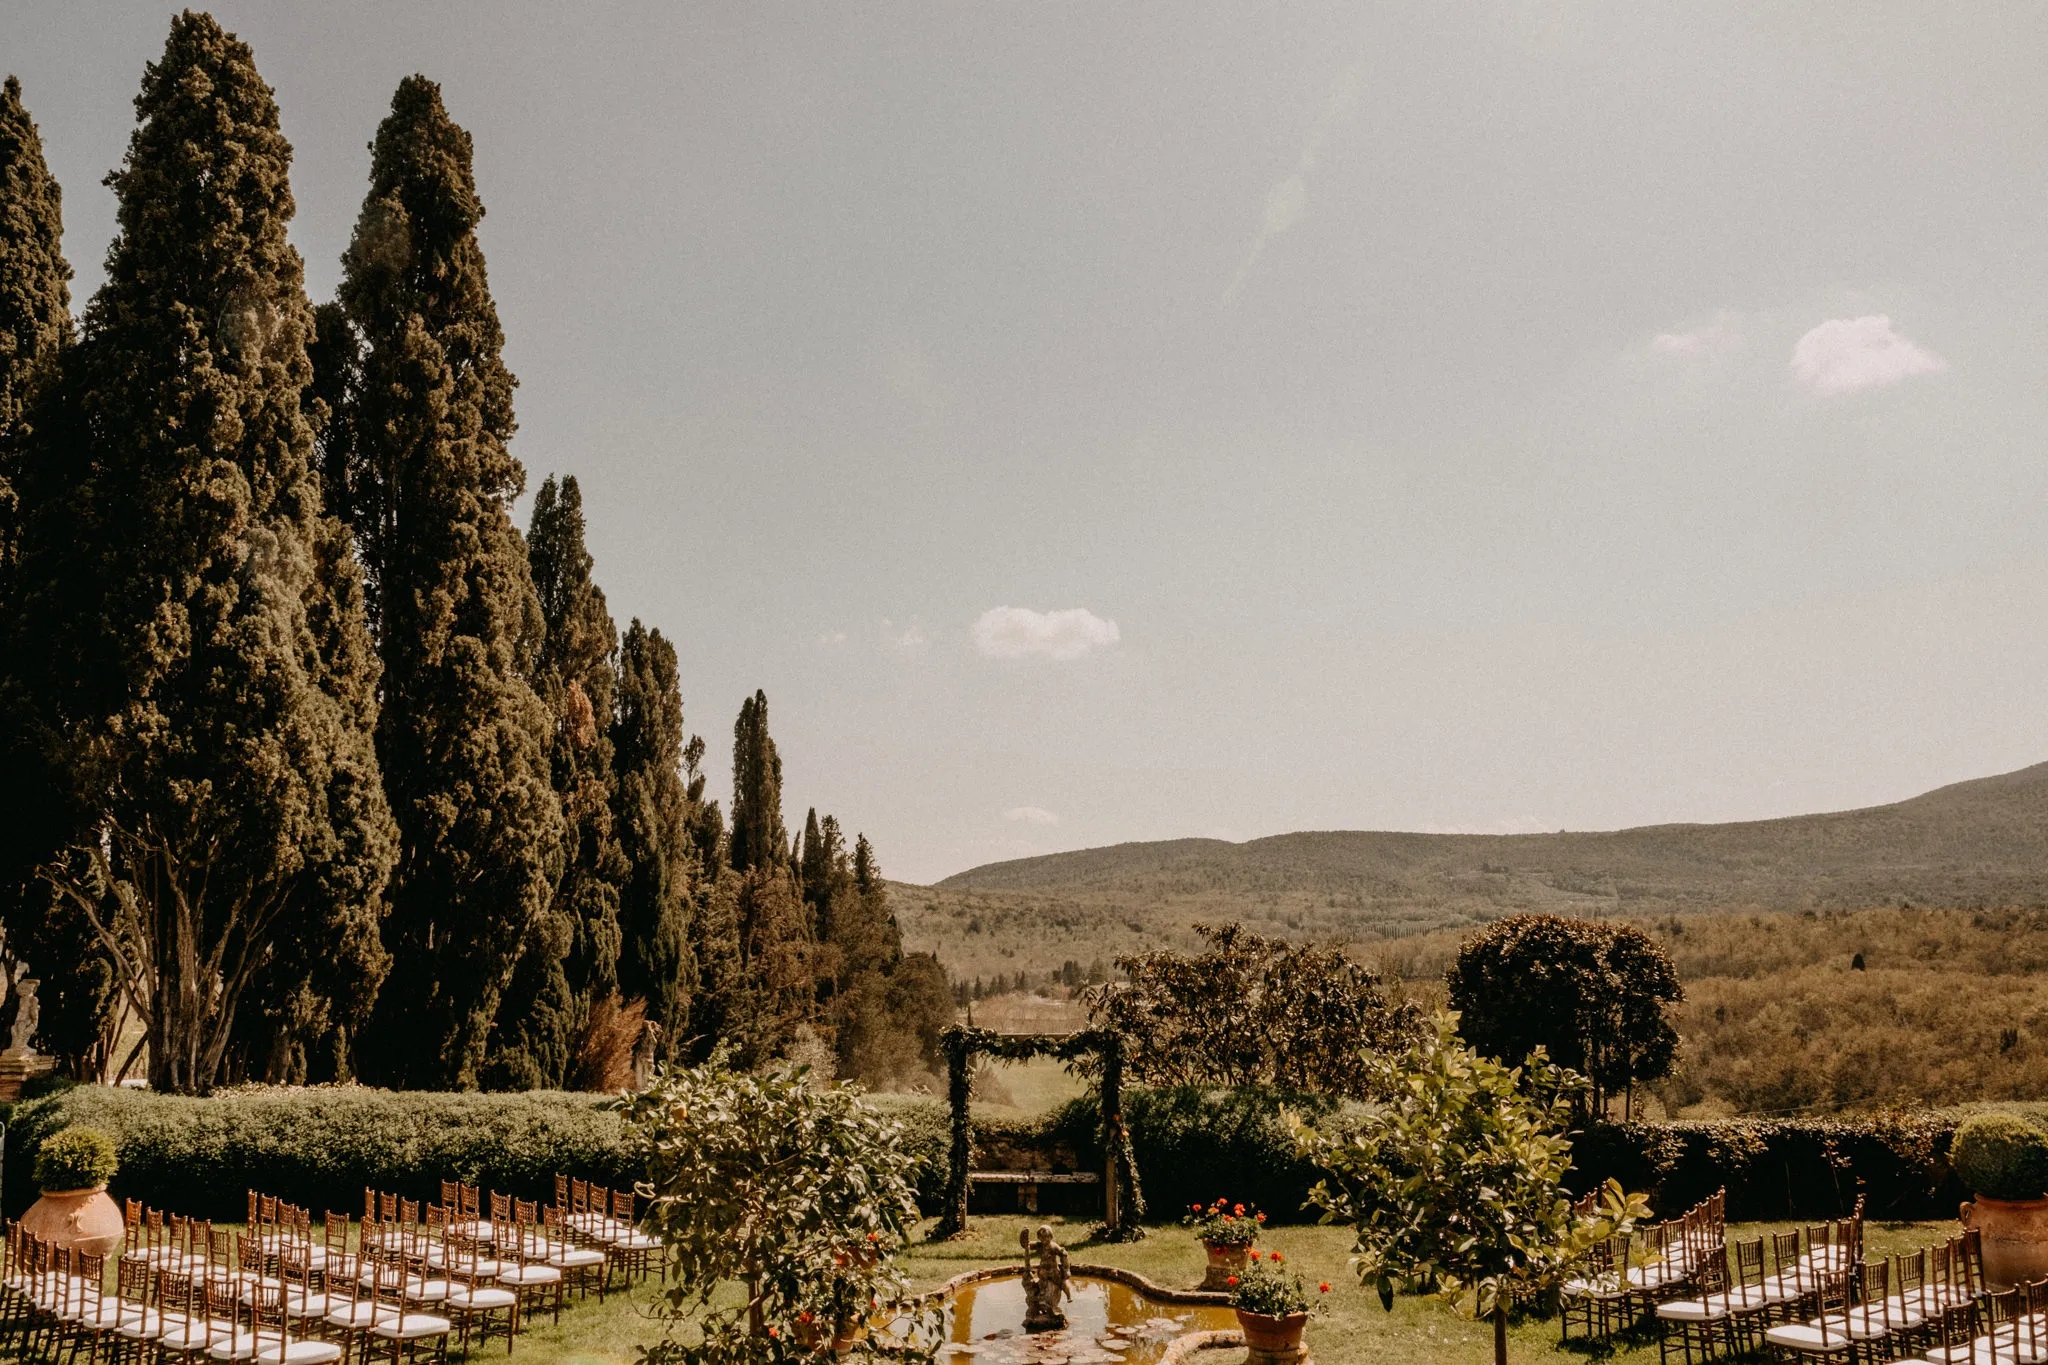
x: 2015, y: 1238
x: 1271, y: 1340
x: 1224, y: 1261
x: 84, y: 1220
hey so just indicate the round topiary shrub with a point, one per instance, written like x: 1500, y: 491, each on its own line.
x: 1999, y: 1156
x: 75, y: 1158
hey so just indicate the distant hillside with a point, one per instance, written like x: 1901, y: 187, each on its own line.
x: 1975, y: 844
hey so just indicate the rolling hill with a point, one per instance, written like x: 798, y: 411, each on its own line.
x: 1982, y: 843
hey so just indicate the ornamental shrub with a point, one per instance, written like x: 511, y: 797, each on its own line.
x: 75, y: 1158
x: 2001, y: 1156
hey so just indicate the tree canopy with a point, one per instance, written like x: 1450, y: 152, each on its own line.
x: 1592, y: 994
x: 1249, y: 1010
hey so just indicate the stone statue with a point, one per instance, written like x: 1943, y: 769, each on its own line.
x: 645, y: 1049
x: 26, y: 1016
x: 1046, y: 1284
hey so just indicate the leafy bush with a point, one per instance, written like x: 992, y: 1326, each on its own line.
x: 800, y: 1195
x: 75, y: 1158
x: 320, y: 1147
x: 1262, y: 1287
x: 2000, y: 1156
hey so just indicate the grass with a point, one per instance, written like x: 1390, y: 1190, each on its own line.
x: 1420, y: 1331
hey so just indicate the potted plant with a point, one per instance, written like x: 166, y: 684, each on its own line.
x: 1226, y: 1229
x: 72, y: 1169
x: 2003, y: 1160
x: 1273, y: 1308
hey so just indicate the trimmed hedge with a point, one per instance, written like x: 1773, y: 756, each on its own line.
x: 320, y: 1147
x: 1775, y: 1169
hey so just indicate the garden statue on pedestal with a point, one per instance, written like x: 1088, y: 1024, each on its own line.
x: 1046, y: 1284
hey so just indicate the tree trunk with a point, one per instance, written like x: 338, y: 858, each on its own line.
x: 1500, y: 1332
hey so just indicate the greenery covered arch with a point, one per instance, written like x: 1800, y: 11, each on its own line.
x: 1124, y: 1201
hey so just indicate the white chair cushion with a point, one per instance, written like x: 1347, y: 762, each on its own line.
x: 1692, y: 1310
x: 145, y: 1325
x: 193, y: 1336
x: 298, y: 1353
x: 481, y: 1300
x: 362, y: 1314
x: 531, y: 1275
x: 1806, y: 1336
x: 574, y: 1258
x: 412, y: 1327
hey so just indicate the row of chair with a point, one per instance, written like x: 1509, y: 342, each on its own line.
x: 288, y: 1290
x: 1626, y: 1276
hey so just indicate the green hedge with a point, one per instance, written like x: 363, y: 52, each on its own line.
x: 320, y: 1147
x: 1775, y: 1169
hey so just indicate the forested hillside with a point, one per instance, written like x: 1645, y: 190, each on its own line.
x: 1979, y: 843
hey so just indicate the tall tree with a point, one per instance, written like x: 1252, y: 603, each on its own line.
x: 463, y: 736
x: 655, y: 962
x: 776, y: 940
x: 758, y: 839
x: 35, y: 327
x: 571, y: 958
x: 193, y: 664
x: 1592, y: 994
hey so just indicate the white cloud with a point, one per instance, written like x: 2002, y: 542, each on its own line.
x: 1018, y: 632
x: 1710, y: 342
x: 1849, y: 355
x: 1031, y: 815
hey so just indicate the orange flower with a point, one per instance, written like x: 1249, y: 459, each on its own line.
x: 773, y: 1333
x: 1253, y: 1253
x: 1262, y: 1218
x: 1232, y: 1282
x: 1323, y: 1288
x: 804, y: 1316
x: 1276, y: 1257
x: 873, y: 1238
x: 1239, y: 1210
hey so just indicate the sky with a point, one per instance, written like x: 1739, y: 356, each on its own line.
x: 1096, y: 423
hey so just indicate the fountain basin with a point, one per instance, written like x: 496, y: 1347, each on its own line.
x: 1113, y: 1318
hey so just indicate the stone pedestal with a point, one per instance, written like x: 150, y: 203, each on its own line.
x: 16, y: 1067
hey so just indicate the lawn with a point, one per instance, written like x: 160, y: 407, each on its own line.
x: 1417, y: 1332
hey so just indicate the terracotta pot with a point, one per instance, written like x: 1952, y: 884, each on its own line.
x: 1273, y: 1341
x: 1223, y: 1263
x: 2015, y: 1237
x: 84, y: 1220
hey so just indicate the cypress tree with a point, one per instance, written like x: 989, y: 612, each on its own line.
x: 463, y: 738
x: 758, y: 839
x: 192, y: 661
x: 655, y: 961
x: 35, y: 327
x: 777, y: 987
x: 570, y: 962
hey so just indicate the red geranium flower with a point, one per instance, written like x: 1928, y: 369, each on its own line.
x: 804, y: 1316
x: 1239, y: 1210
x: 1276, y: 1258
x: 1323, y: 1288
x: 1262, y: 1218
x: 1232, y: 1282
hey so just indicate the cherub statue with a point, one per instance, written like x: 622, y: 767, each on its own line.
x: 1046, y: 1283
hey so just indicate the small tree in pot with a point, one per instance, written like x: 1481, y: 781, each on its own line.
x: 1225, y: 1229
x: 2003, y: 1160
x: 73, y: 1166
